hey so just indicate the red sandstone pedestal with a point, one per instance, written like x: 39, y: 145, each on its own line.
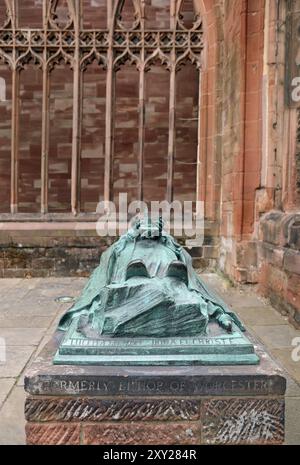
x: 154, y: 405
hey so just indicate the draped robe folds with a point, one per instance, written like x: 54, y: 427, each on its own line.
x: 155, y: 289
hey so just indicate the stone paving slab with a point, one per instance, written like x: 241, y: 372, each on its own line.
x: 260, y: 316
x: 22, y: 336
x: 32, y: 306
x: 12, y: 421
x: 283, y: 356
x: 19, y: 291
x: 292, y: 389
x: 243, y: 301
x: 292, y: 413
x: 6, y: 284
x: 276, y: 336
x: 16, y: 360
x: 5, y: 386
x: 46, y: 338
x: 8, y: 321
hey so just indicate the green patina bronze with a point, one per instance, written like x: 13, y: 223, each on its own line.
x: 145, y: 305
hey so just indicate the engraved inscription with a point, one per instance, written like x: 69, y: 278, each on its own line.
x: 155, y: 342
x: 157, y: 387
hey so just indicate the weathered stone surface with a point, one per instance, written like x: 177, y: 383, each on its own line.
x: 210, y: 252
x: 91, y: 409
x: 279, y: 276
x: 142, y: 433
x: 243, y: 421
x: 292, y: 262
x: 202, y: 263
x: 32, y: 253
x: 247, y: 254
x: 52, y: 434
x: 271, y: 254
x: 195, y: 252
x: 270, y: 226
x: 281, y: 284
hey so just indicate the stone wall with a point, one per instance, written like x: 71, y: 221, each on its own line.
x: 71, y: 249
x: 279, y: 258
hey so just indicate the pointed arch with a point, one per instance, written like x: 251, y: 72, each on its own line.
x: 55, y: 58
x: 127, y: 56
x: 6, y: 58
x: 92, y: 56
x: 194, y: 20
x: 157, y: 56
x: 54, y: 7
x: 27, y: 57
x: 188, y: 56
x: 117, y: 14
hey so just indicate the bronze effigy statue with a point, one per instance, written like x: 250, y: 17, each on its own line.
x: 145, y: 290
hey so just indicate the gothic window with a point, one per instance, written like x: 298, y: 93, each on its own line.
x: 108, y: 83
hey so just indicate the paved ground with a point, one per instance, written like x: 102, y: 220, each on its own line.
x: 29, y: 315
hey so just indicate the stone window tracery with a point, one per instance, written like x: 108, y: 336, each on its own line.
x: 127, y: 39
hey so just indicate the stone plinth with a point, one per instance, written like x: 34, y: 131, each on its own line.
x: 154, y: 405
